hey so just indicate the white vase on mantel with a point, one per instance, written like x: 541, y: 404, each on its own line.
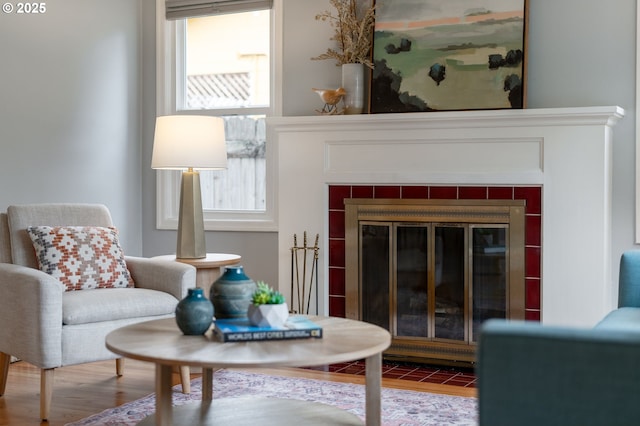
x: 353, y: 83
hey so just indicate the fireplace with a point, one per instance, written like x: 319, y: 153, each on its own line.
x: 557, y: 160
x: 431, y: 271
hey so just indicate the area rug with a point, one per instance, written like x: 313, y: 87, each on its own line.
x: 399, y: 407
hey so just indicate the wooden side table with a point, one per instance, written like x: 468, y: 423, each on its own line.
x: 208, y: 269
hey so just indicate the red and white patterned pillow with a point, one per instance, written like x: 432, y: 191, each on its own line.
x: 81, y: 257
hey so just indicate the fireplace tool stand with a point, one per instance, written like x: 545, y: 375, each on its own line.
x: 302, y: 287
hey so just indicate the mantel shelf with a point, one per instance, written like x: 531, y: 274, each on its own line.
x: 599, y: 115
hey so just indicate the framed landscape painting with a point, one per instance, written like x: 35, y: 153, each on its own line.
x: 448, y: 55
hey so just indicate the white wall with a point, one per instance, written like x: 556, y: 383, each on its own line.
x: 69, y: 109
x: 582, y: 53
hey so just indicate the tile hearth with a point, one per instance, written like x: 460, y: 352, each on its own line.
x: 412, y: 372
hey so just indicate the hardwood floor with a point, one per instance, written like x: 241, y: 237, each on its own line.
x: 82, y: 390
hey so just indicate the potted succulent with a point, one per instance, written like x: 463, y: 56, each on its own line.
x: 268, y: 307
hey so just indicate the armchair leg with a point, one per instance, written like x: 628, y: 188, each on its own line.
x: 185, y: 378
x: 5, y: 360
x: 119, y: 366
x: 46, y: 391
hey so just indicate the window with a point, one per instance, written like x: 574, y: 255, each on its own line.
x: 221, y: 65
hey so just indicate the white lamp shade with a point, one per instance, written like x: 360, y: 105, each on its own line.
x: 189, y: 141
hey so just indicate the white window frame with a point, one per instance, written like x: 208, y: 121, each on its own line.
x: 168, y: 182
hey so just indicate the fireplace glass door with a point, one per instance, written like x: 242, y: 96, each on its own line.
x: 489, y: 271
x: 450, y: 288
x: 375, y: 296
x: 411, y: 280
x: 433, y: 281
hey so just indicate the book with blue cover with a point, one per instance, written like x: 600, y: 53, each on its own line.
x: 240, y: 330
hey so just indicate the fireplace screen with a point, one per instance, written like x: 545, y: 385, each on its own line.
x: 432, y: 282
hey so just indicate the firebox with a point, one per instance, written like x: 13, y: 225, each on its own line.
x: 432, y: 271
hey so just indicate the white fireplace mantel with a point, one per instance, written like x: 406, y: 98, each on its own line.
x: 566, y: 151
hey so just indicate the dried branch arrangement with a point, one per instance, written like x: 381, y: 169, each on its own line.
x: 354, y: 28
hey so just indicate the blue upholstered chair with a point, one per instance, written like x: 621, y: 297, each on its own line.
x: 49, y: 327
x: 534, y: 375
x: 629, y: 290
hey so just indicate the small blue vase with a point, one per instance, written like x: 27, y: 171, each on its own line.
x: 194, y: 313
x: 231, y: 293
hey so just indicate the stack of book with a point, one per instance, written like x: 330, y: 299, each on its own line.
x: 240, y: 330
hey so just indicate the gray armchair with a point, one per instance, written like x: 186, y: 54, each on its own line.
x: 49, y: 327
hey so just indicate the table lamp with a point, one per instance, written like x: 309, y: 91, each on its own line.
x: 193, y: 143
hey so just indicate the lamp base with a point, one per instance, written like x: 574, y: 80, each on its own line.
x: 191, y: 244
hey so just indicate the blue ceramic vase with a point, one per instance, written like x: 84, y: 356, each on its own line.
x: 194, y: 313
x: 231, y: 293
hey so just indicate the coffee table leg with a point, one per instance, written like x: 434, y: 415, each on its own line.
x: 207, y: 384
x: 373, y: 383
x: 163, y: 395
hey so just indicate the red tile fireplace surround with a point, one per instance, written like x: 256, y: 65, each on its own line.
x: 533, y: 219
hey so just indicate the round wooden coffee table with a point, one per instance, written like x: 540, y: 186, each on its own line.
x: 161, y: 342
